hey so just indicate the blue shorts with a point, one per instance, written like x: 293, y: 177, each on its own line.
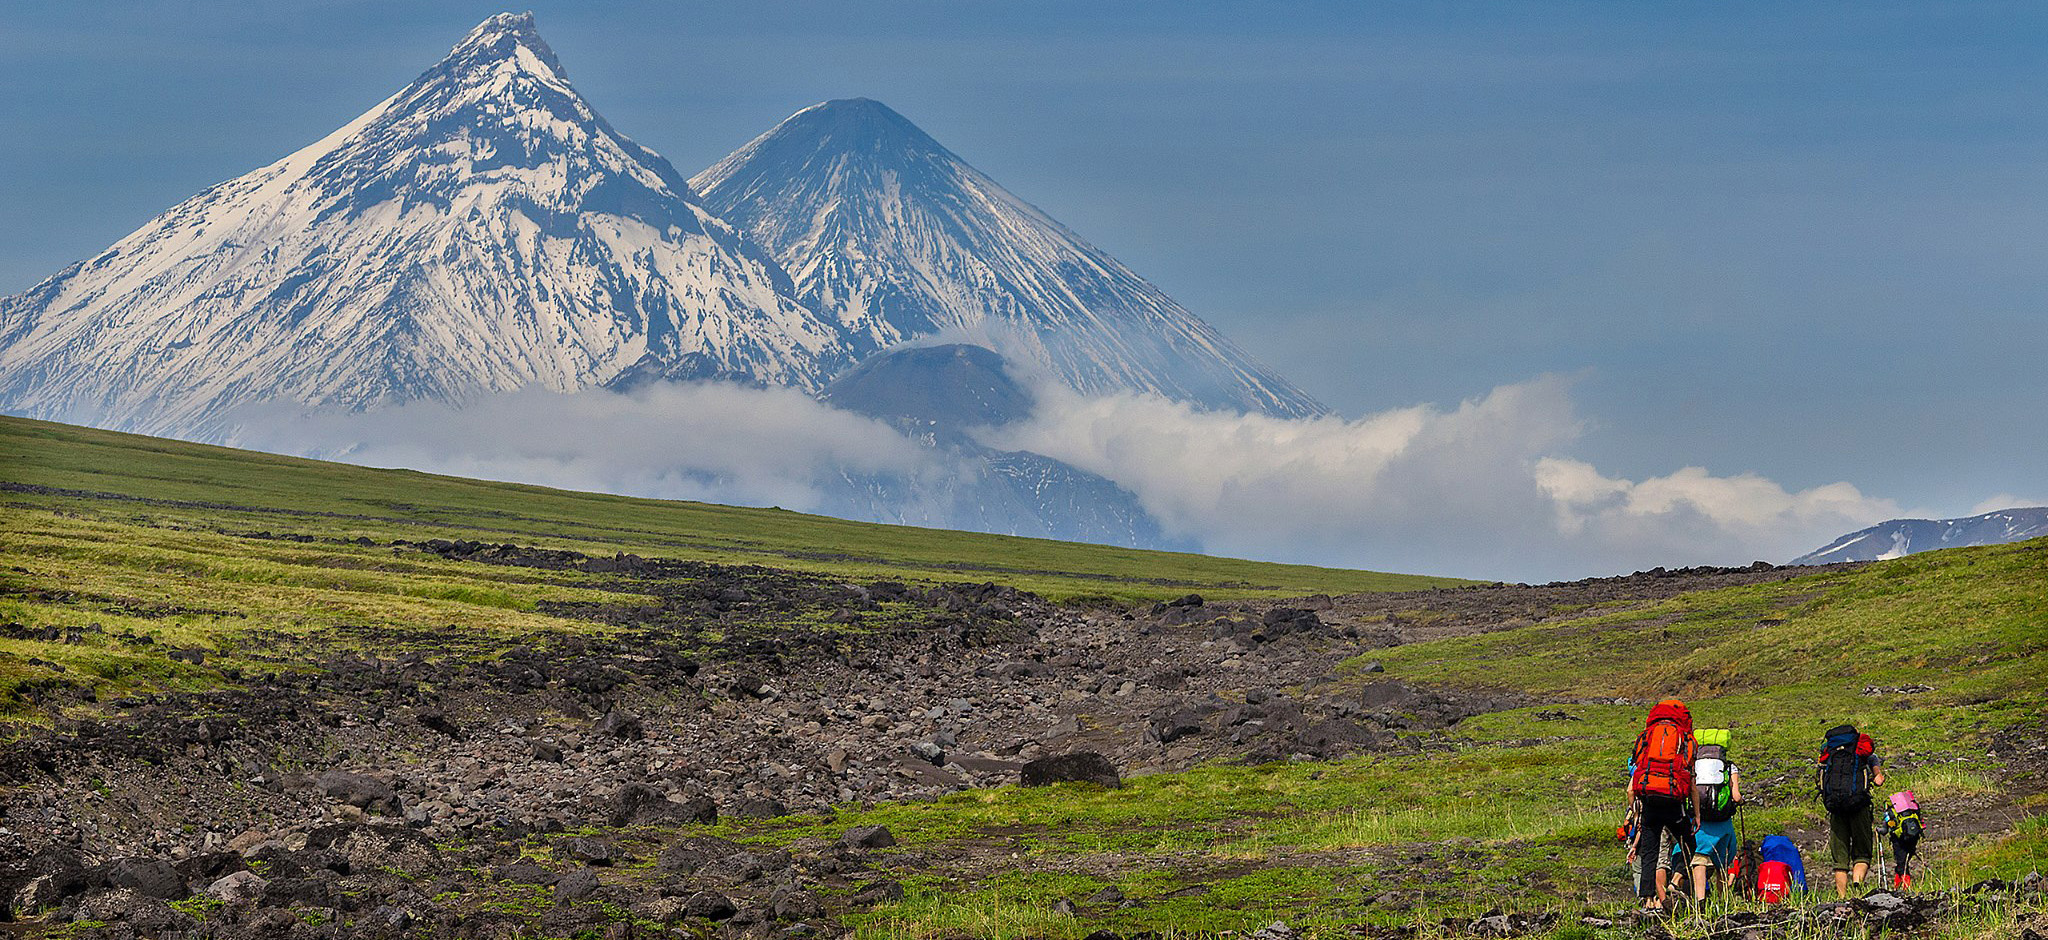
x: 1715, y: 841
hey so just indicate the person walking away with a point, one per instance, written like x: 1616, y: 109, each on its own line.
x: 1779, y: 870
x: 1849, y: 767
x: 1902, y: 823
x: 1716, y: 796
x: 1661, y: 784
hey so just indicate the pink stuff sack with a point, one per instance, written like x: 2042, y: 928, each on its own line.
x: 1903, y: 801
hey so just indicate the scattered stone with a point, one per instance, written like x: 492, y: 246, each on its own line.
x: 588, y: 850
x: 1077, y: 767
x: 358, y: 790
x: 621, y: 725
x: 710, y: 905
x: 238, y: 889
x: 577, y: 885
x: 868, y: 837
x: 880, y: 892
x: 149, y: 877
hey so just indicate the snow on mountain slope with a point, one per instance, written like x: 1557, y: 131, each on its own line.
x: 899, y: 238
x: 481, y: 230
x: 1900, y: 537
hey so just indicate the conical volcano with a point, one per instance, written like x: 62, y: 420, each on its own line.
x: 898, y: 238
x: 481, y: 230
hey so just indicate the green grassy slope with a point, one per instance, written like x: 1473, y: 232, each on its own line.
x: 1522, y: 812
x: 148, y: 543
x: 244, y: 491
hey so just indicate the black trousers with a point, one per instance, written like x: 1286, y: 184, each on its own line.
x: 1902, y: 850
x: 1659, y: 813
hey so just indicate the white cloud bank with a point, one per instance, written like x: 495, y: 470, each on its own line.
x: 2006, y: 501
x: 1480, y: 490
x: 708, y: 441
x: 1485, y: 489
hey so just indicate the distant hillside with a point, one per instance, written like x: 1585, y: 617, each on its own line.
x: 1901, y: 537
x: 174, y: 484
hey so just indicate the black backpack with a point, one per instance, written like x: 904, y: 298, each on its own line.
x: 1844, y: 784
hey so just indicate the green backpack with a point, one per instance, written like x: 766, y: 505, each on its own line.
x: 1712, y: 793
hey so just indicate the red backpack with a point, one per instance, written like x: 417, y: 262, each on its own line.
x: 1774, y: 881
x: 1664, y: 752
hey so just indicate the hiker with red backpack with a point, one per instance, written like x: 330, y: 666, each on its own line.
x: 1660, y: 785
x: 1849, y: 767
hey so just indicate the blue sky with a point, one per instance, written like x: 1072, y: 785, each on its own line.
x: 1803, y: 241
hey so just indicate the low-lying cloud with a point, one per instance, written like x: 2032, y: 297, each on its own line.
x: 1485, y: 489
x: 709, y: 441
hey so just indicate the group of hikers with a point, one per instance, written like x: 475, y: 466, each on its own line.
x: 1681, y: 782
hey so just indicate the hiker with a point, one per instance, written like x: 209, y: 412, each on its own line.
x: 1902, y: 824
x: 1849, y: 767
x: 1716, y: 796
x: 1660, y: 782
x: 1779, y: 868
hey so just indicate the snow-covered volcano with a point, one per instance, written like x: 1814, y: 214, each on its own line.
x: 899, y: 239
x: 481, y: 230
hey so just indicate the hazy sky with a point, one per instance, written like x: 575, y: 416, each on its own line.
x: 1803, y: 241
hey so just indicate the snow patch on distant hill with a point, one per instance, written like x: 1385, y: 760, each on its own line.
x: 1901, y: 537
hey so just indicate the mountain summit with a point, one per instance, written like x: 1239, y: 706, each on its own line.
x: 898, y: 238
x: 481, y: 230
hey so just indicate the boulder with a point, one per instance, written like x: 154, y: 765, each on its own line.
x: 690, y: 854
x: 149, y: 877
x: 141, y: 912
x: 1169, y: 725
x: 755, y: 807
x: 710, y: 905
x: 238, y: 889
x: 575, y: 886
x: 880, y: 892
x: 1077, y: 767
x: 526, y: 873
x: 359, y: 790
x: 589, y: 851
x: 622, y: 725
x: 868, y: 837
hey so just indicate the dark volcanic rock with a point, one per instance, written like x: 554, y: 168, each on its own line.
x: 881, y: 892
x: 1078, y: 767
x: 710, y: 905
x: 755, y: 807
x: 576, y: 886
x: 621, y: 725
x: 149, y: 877
x: 526, y: 873
x: 139, y: 911
x: 868, y: 837
x: 692, y: 853
x: 588, y: 850
x: 1172, y: 724
x: 359, y: 790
